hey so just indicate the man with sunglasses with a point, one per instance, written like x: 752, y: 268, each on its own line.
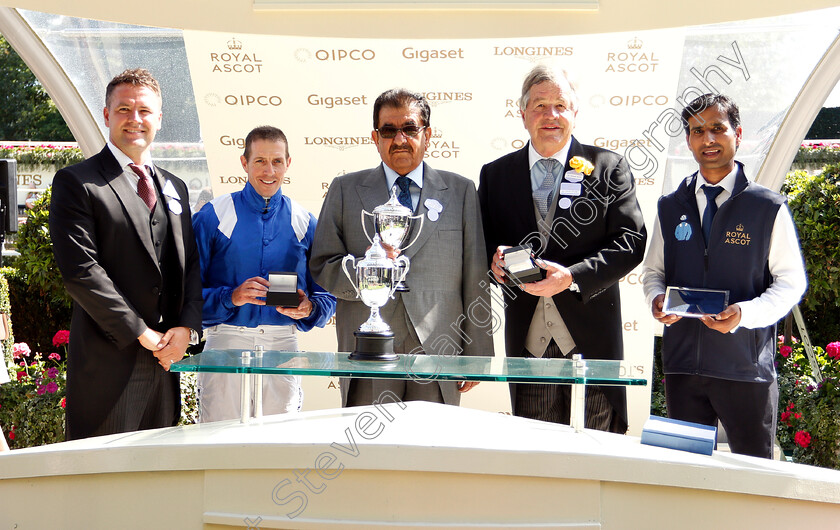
x: 446, y: 312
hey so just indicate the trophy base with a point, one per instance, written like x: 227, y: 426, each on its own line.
x: 374, y: 347
x: 401, y: 288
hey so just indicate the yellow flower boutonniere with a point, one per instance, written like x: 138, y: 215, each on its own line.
x: 581, y: 165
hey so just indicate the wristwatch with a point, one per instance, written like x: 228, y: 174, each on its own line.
x: 195, y: 338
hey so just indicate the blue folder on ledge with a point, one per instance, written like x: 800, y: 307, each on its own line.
x: 680, y: 435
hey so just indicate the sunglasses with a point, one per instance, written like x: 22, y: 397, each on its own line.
x: 389, y: 131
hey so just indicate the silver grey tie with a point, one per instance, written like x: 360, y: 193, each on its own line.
x: 542, y: 195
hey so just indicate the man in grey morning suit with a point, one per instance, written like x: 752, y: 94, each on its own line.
x: 446, y: 312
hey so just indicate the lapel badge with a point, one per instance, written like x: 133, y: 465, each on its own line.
x: 170, y: 191
x: 572, y: 189
x: 434, y: 208
x: 565, y: 203
x: 573, y: 176
x: 683, y: 230
x: 174, y: 206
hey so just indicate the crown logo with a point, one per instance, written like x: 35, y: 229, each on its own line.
x: 634, y: 44
x: 234, y: 44
x: 740, y: 227
x: 437, y: 133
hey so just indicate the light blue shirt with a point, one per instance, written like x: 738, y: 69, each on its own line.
x: 416, y: 177
x: 538, y: 170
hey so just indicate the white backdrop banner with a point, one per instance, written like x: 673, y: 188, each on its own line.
x: 320, y: 92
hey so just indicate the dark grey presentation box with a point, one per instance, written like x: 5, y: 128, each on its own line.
x: 520, y: 266
x: 282, y: 289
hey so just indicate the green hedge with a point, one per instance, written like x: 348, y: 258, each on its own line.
x: 814, y: 202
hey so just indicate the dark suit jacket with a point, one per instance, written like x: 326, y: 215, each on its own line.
x: 102, y: 244
x: 600, y: 239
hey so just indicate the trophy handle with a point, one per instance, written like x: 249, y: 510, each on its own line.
x: 350, y: 258
x: 402, y: 264
x: 417, y: 235
x: 364, y: 226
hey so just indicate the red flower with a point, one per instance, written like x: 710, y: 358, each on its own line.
x: 785, y: 416
x: 797, y: 415
x: 790, y: 406
x: 802, y: 439
x: 54, y: 357
x: 21, y: 375
x: 833, y: 350
x: 61, y: 337
x: 64, y: 402
x: 784, y: 350
x: 12, y: 434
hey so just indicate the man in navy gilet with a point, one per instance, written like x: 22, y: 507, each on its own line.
x: 718, y: 230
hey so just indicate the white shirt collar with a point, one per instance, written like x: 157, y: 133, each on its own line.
x: 124, y: 160
x: 728, y: 182
x: 560, y: 156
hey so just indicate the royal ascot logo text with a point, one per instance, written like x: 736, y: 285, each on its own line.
x: 230, y: 141
x: 330, y: 102
x: 235, y: 59
x: 440, y: 147
x: 342, y: 143
x: 632, y: 59
x: 512, y: 109
x: 424, y: 56
x: 335, y: 55
x: 738, y: 236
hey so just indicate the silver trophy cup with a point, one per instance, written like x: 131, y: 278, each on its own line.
x: 393, y: 222
x: 375, y: 282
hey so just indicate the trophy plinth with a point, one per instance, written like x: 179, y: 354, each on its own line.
x: 376, y: 279
x: 392, y: 222
x: 373, y: 346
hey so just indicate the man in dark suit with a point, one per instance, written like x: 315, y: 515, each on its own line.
x: 576, y: 205
x: 123, y: 240
x: 446, y: 312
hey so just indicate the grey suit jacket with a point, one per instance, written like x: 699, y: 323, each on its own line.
x: 448, y: 305
x: 102, y: 243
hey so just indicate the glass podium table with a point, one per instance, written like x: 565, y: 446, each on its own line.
x: 252, y: 365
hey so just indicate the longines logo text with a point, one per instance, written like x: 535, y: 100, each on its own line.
x: 439, y: 98
x: 440, y: 148
x: 235, y: 60
x: 632, y: 60
x: 338, y: 142
x: 425, y: 55
x: 242, y: 179
x: 533, y: 52
x: 335, y: 101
